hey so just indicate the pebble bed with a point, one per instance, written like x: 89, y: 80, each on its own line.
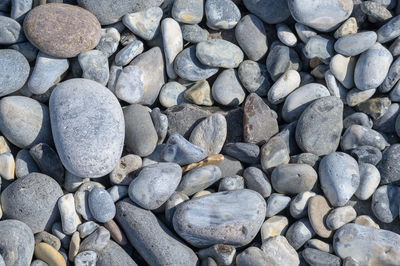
x: 199, y: 132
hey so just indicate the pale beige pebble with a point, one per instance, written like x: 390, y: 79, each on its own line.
x: 318, y: 210
x: 199, y: 93
x: 74, y: 246
x: 348, y: 27
x: 126, y: 165
x: 274, y: 226
x: 7, y: 166
x: 116, y: 233
x: 320, y: 245
x: 342, y: 67
x: 48, y: 254
x: 212, y: 159
x: 201, y: 194
x: 319, y: 71
x: 366, y: 221
x: 4, y: 147
x: 69, y: 218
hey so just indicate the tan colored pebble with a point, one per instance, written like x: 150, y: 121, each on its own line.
x: 201, y: 194
x: 348, y: 27
x: 366, y: 221
x: 212, y: 159
x: 319, y: 244
x: 318, y: 210
x: 274, y: 226
x: 7, y: 166
x: 74, y: 246
x: 116, y: 234
x: 48, y: 254
x: 199, y: 93
x: 4, y: 147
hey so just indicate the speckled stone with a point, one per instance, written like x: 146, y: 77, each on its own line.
x: 299, y: 204
x: 244, y: 152
x: 318, y: 210
x: 85, y: 258
x: 369, y: 181
x: 385, y: 203
x: 15, y: 71
x: 342, y: 67
x: 127, y: 164
x: 375, y: 107
x: 235, y: 93
x: 188, y: 11
x: 96, y: 241
x: 254, y: 77
x: 69, y: 218
x: 171, y: 94
x: 128, y: 53
x: 356, y: 96
x: 199, y: 93
x: 160, y: 122
x: 280, y: 252
x: 356, y: 136
x: 299, y: 233
x: 32, y: 200
x: 348, y: 27
x: 274, y: 226
x: 109, y: 41
x: 199, y: 222
x: 293, y: 178
x: 270, y: 11
x: 219, y: 53
x: 49, y: 239
x: 94, y: 65
x: 27, y: 49
x: 367, y: 154
x: 194, y: 33
x: 389, y: 30
x: 221, y: 14
x: 101, y: 205
x: 319, y: 46
x: 231, y: 183
x: 144, y: 24
x: 256, y: 180
x: 276, y: 203
x: 252, y: 256
x: 130, y: 85
x: 355, y: 44
x: 59, y: 38
x: 11, y: 31
x: 388, y: 166
x: 77, y: 135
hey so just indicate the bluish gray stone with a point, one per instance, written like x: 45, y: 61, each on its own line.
x: 356, y: 136
x: 388, y: 166
x: 15, y: 70
x: 227, y: 89
x: 278, y: 61
x: 270, y: 11
x: 387, y: 122
x: 389, y: 31
x: 171, y: 94
x: 219, y: 53
x: 160, y: 122
x: 304, y: 32
x: 11, y: 31
x: 19, y: 8
x: 113, y: 254
x: 145, y: 23
x: 130, y: 85
x: 320, y: 46
x: 32, y: 200
x: 293, y: 178
x: 232, y: 218
x: 355, y: 44
x: 280, y: 252
x: 57, y: 231
x: 367, y: 154
x: 86, y: 258
x: 109, y: 41
x: 299, y: 204
x: 375, y: 11
x: 128, y: 53
x: 48, y: 161
x: 101, y: 205
x: 87, y: 122
x: 340, y: 216
x: 188, y: 11
x: 276, y: 203
x: 230, y: 166
x: 94, y: 64
x: 392, y: 77
x: 244, y: 152
x: 87, y: 228
x: 118, y: 192
x: 251, y: 256
x: 229, y: 183
x: 194, y: 33
x: 275, y: 152
x: 256, y: 180
x: 199, y: 179
x: 254, y: 77
x: 181, y: 151
x: 299, y: 233
x: 24, y: 164
x: 357, y: 118
x: 317, y: 257
x: 221, y: 14
x: 171, y: 204
x: 335, y: 88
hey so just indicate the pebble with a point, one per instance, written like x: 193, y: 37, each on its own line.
x: 74, y: 246
x: 321, y: 47
x: 181, y: 151
x: 287, y: 83
x: 385, y: 203
x: 145, y: 23
x: 356, y: 96
x: 285, y: 35
x: 48, y: 254
x: 234, y: 95
x: 278, y: 61
x: 355, y: 44
x: 221, y: 14
x: 252, y: 256
x: 127, y: 164
x: 20, y: 8
x: 317, y: 257
x: 234, y: 222
x: 304, y: 32
x: 392, y: 77
x: 318, y: 210
x: 210, y: 134
x: 219, y: 53
x: 357, y: 118
x: 222, y: 254
x: 7, y: 166
x: 348, y: 27
x: 375, y: 11
x: 171, y: 94
x: 188, y: 11
x: 172, y: 203
x: 69, y: 218
x: 199, y: 179
x: 356, y: 136
x: 48, y: 161
x: 193, y: 33
x: 274, y: 226
x: 375, y: 107
x: 270, y: 11
x: 319, y: 245
x: 86, y: 258
x: 274, y: 153
x: 75, y: 139
x: 62, y: 38
x: 231, y: 183
x: 299, y: 233
x: 21, y: 236
x: 27, y: 49
x: 367, y: 154
x: 365, y: 220
x: 254, y: 77
x: 389, y: 30
x: 340, y: 216
x: 276, y: 203
x: 299, y: 204
x: 199, y: 93
x: 130, y: 85
x: 280, y: 252
x: 11, y: 31
x: 38, y: 263
x: 335, y: 88
x: 160, y: 122
x: 367, y: 245
x: 14, y: 68
x: 244, y: 152
x: 128, y: 53
x: 96, y: 241
x: 48, y: 238
x: 101, y: 205
x: 151, y: 238
x: 56, y: 230
x: 257, y: 180
x: 109, y: 41
x: 342, y: 67
x: 293, y: 178
x: 112, y: 254
x: 82, y: 205
x: 387, y: 122
x: 172, y: 43
x: 94, y: 65
x: 251, y: 27
x: 47, y: 72
x: 141, y: 140
x: 388, y: 167
x: 369, y: 181
x: 87, y: 228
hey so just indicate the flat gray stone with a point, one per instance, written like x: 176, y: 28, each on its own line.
x: 219, y: 53
x: 280, y: 252
x: 244, y: 152
x: 367, y: 154
x: 109, y: 41
x: 256, y: 180
x: 299, y: 233
x: 171, y: 94
x: 356, y: 136
x: 276, y: 203
x: 172, y: 44
x: 199, y: 179
x: 96, y: 241
x: 94, y: 65
x: 293, y: 178
x: 270, y: 11
x: 317, y: 257
x: 86, y: 258
x: 24, y: 164
x: 48, y: 161
x: 278, y: 61
x: 355, y: 44
x: 160, y: 122
x: 389, y: 30
x: 228, y: 97
x: 27, y: 49
x: 369, y: 181
x: 231, y: 183
x: 275, y: 152
x: 299, y: 204
x: 194, y: 33
x: 320, y: 46
x: 251, y: 256
x: 15, y: 70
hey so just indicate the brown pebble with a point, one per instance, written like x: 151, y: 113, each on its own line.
x: 212, y: 159
x: 74, y: 246
x: 48, y: 254
x: 318, y: 210
x: 116, y: 234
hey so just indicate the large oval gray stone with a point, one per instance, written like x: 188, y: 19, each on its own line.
x: 355, y: 44
x: 87, y: 122
x: 14, y: 69
x: 231, y: 217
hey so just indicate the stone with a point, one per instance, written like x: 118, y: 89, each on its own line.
x: 375, y: 11
x: 16, y: 242
x: 48, y: 238
x: 251, y: 256
x: 222, y: 254
x: 388, y: 167
x: 348, y: 27
x: 74, y: 246
x: 96, y: 241
x: 321, y: 47
x: 48, y: 254
x: 278, y: 61
x: 356, y: 136
x: 244, y: 152
x: 128, y: 53
x: 251, y: 27
x: 254, y: 77
x: 15, y: 69
x: 38, y: 263
x: 171, y: 94
x: 367, y: 154
x: 355, y: 44
x: 130, y: 85
x: 172, y: 203
x: 118, y: 192
x: 317, y: 257
x: 87, y: 228
x: 274, y: 153
x: 155, y: 184
x: 11, y: 31
x: 322, y: 17
x: 304, y: 32
x: 288, y: 82
x: 127, y: 164
x: 109, y: 41
x: 219, y: 53
x: 387, y: 122
x: 231, y: 183
x: 274, y: 226
x: 369, y: 181
x: 56, y: 230
x: 392, y: 77
x: 356, y: 96
x: 293, y: 178
x: 188, y: 11
x: 221, y: 14
x: 269, y: 11
x: 299, y: 233
x: 86, y: 258
x: 79, y: 137
x: 385, y: 203
x: 160, y: 122
x: 154, y: 242
x: 342, y: 67
x: 339, y: 177
x: 340, y: 216
x: 365, y: 220
x: 101, y: 205
x: 299, y: 204
x: 27, y: 49
x: 318, y: 210
x: 32, y: 200
x: 335, y: 88
x: 113, y: 254
x: 193, y: 33
x: 145, y: 23
x: 141, y: 140
x: 199, y: 93
x: 172, y: 43
x: 20, y: 8
x: 188, y: 67
x: 285, y: 35
x: 69, y: 218
x: 234, y: 95
x: 199, y: 222
x: 366, y: 245
x: 81, y: 204
x: 319, y: 245
x: 259, y: 120
x: 48, y: 161
x: 62, y: 38
x: 280, y: 252
x: 7, y: 166
x: 181, y: 151
x: 210, y: 134
x: 357, y: 118
x: 94, y: 65
x: 199, y: 179
x: 375, y: 107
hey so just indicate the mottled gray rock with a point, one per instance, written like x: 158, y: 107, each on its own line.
x: 256, y: 180
x: 285, y: 35
x: 369, y: 181
x: 251, y: 256
x: 56, y: 230
x: 244, y: 152
x: 367, y: 154
x: 275, y: 152
x: 254, y: 77
x: 375, y: 107
x: 367, y: 245
x: 69, y: 218
x: 355, y: 44
x: 251, y: 27
x: 231, y: 183
x: 171, y: 94
x: 118, y: 192
x: 145, y: 23
x: 299, y: 204
x: 128, y: 53
x: 293, y: 178
x: 87, y: 228
x: 339, y: 177
x: 335, y: 88
x: 188, y: 11
x: 276, y: 203
x: 389, y: 30
x: 109, y: 41
x: 19, y: 8
x: 94, y: 64
x: 317, y: 257
x: 288, y: 82
x: 280, y: 252
x: 96, y: 241
x: 278, y: 61
x: 319, y: 245
x: 304, y: 32
x: 270, y: 11
x: 222, y: 254
x: 101, y: 205
x: 219, y: 53
x: 181, y: 151
x: 320, y: 46
x: 16, y: 242
x: 340, y: 216
x: 171, y: 205
x: 39, y: 263
x: 375, y: 11
x: 388, y: 167
x: 230, y: 166
x: 194, y: 33
x: 372, y: 67
x: 385, y: 203
x: 86, y: 258
x: 11, y: 31
x: 155, y: 184
x: 32, y: 200
x: 14, y: 68
x: 392, y: 77
x: 356, y: 96
x: 387, y: 122
x: 356, y: 136
x: 221, y: 14
x: 126, y: 165
x: 24, y: 164
x: 199, y: 179
x: 357, y: 118
x: 154, y: 242
x: 322, y: 16
x: 235, y: 93
x: 130, y: 85
x: 299, y: 233
x: 48, y: 161
x: 220, y: 218
x: 87, y: 122
x: 274, y: 226
x: 27, y: 49
x: 113, y: 254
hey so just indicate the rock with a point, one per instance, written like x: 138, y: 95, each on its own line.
x: 154, y: 242
x: 94, y: 65
x: 356, y: 96
x: 369, y: 181
x: 269, y: 11
x: 252, y: 256
x: 188, y: 67
x: 232, y: 97
x: 57, y: 231
x: 76, y: 138
x: 375, y: 11
x: 299, y: 204
x: 118, y: 192
x: 222, y: 254
x: 7, y: 166
x: 357, y: 118
x: 335, y: 88
x: 181, y: 151
x: 127, y: 164
x: 130, y: 84
x: 322, y: 17
x: 365, y: 220
x: 82, y: 205
x: 319, y: 245
x: 256, y: 180
x: 14, y: 111
x: 321, y: 47
x: 113, y: 254
x: 109, y: 41
x: 199, y: 93
x: 160, y: 122
x: 20, y: 8
x: 86, y: 258
x: 304, y: 32
x: 278, y: 61
x: 207, y: 225
x: 219, y: 53
x: 244, y: 152
x: 27, y: 49
x: 275, y: 152
x: 386, y: 203
x: 251, y: 27
x: 101, y: 205
x: 367, y: 77
x: 375, y: 107
x: 15, y: 69
x: 32, y: 200
x: 342, y: 67
x: 318, y: 210
x: 317, y: 257
x: 285, y: 35
x: 11, y: 31
x: 210, y: 134
x: 387, y: 122
x: 128, y: 53
x: 392, y: 77
x: 254, y: 77
x: 172, y: 43
x: 96, y: 241
x: 366, y: 245
x: 340, y: 216
x: 145, y: 23
x: 16, y: 242
x: 190, y: 12
x: 62, y: 38
x: 367, y: 154
x: 276, y: 203
x: 48, y: 254
x: 221, y: 14
x: 260, y: 122
x: 279, y: 252
x: 348, y: 27
x: 339, y: 177
x: 87, y: 228
x: 388, y: 167
x: 231, y: 183
x: 355, y: 44
x: 293, y: 178
x: 389, y: 30
x: 171, y: 204
x: 69, y: 218
x: 74, y: 246
x: 193, y: 33
x: 48, y: 161
x: 356, y: 136
x: 155, y: 184
x: 199, y: 179
x: 287, y: 83
x: 171, y: 94
x: 274, y: 226
x: 299, y: 233
x: 306, y: 158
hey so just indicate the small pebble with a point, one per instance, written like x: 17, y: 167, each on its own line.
x: 181, y: 151
x: 145, y: 23
x: 340, y: 216
x: 299, y: 204
x: 276, y: 203
x: 231, y: 183
x: 69, y: 218
x: 274, y: 226
x: 198, y: 179
x: 219, y: 53
x: 369, y: 181
x: 101, y: 205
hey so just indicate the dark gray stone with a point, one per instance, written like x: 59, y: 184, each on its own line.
x: 357, y: 118
x: 320, y: 46
x: 389, y: 30
x: 317, y: 257
x: 392, y: 77
x: 228, y: 79
x: 48, y: 161
x: 181, y: 151
x: 270, y: 11
x: 27, y: 49
x: 15, y: 70
x: 101, y: 205
x: 160, y: 122
x: 389, y: 166
x: 194, y: 33
x: 278, y: 61
x: 254, y: 77
x: 231, y: 183
x: 94, y: 65
x: 275, y: 152
x: 293, y: 178
x: 299, y: 233
x: 251, y: 256
x: 96, y: 241
x: 256, y: 180
x: 386, y: 123
x: 244, y: 152
x: 276, y: 203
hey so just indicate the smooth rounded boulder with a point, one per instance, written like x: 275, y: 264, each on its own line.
x: 87, y: 122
